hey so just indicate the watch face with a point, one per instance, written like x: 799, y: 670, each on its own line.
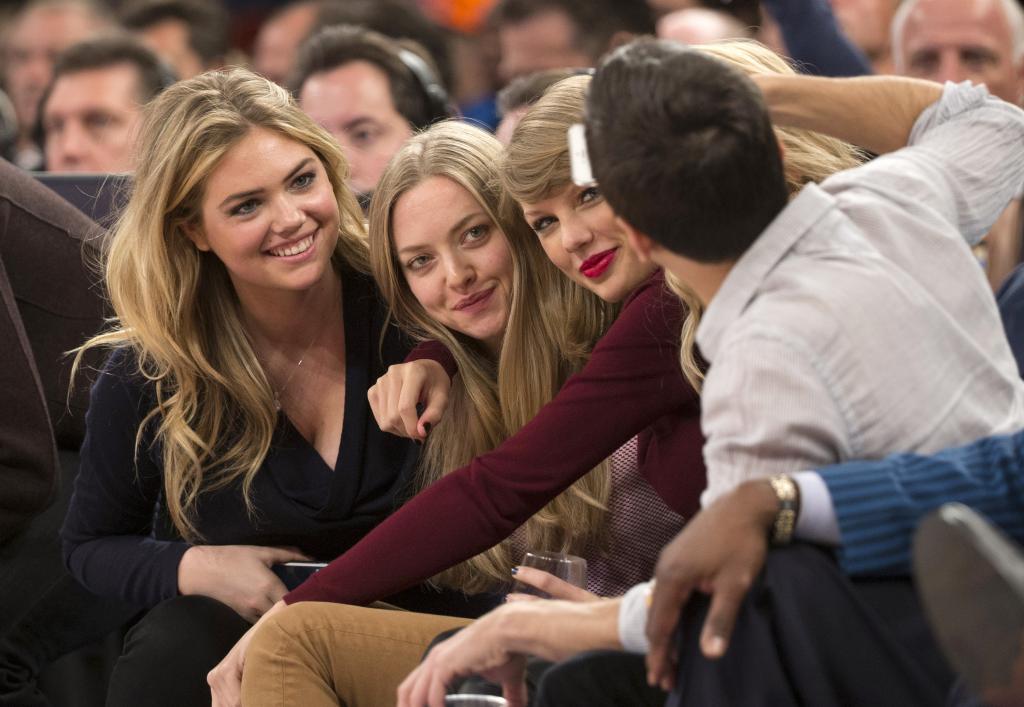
x: 785, y: 518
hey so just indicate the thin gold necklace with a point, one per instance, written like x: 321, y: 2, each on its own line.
x: 279, y: 392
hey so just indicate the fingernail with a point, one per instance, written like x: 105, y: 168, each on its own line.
x: 515, y: 571
x: 716, y: 646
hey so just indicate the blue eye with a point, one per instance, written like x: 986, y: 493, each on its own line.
x: 245, y: 208
x: 304, y: 180
x: 475, y: 234
x: 418, y: 263
x: 543, y: 223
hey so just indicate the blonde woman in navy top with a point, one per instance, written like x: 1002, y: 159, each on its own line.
x: 229, y: 430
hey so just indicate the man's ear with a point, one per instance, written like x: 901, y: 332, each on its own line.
x: 641, y: 243
x: 195, y: 234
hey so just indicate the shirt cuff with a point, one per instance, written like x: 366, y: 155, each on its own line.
x: 633, y: 618
x: 817, y: 521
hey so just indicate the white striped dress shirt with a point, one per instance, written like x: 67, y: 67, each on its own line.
x: 858, y: 324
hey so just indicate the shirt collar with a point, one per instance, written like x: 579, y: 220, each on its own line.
x: 746, y: 277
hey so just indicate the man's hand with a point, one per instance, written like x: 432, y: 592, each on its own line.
x: 720, y: 553
x: 482, y: 648
x: 494, y: 646
x: 395, y: 395
x: 236, y: 575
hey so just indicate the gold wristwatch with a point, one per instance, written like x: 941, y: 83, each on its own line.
x: 788, y: 494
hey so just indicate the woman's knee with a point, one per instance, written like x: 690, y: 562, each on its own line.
x: 168, y: 653
x: 186, y: 625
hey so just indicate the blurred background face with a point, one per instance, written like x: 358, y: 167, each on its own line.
x: 33, y: 42
x: 956, y: 40
x: 169, y: 40
x: 273, y: 53
x: 353, y: 103
x: 866, y: 23
x: 545, y: 40
x: 699, y: 26
x: 91, y: 119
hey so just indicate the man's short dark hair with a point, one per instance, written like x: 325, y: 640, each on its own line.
x: 684, y: 150
x: 596, y: 21
x: 112, y: 51
x: 101, y: 53
x: 395, y: 19
x: 336, y: 46
x: 207, y: 23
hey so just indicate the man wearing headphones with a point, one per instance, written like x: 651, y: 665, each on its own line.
x: 91, y: 110
x: 369, y: 91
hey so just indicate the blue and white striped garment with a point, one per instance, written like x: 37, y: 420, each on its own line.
x: 879, y: 504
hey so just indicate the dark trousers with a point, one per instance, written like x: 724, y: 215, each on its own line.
x: 168, y: 653
x: 598, y: 679
x: 809, y: 636
x: 806, y: 635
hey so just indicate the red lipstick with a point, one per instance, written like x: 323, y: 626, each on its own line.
x: 596, y: 265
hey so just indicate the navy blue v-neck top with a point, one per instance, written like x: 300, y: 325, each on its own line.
x: 117, y: 538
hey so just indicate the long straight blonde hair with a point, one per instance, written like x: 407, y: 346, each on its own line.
x: 551, y: 326
x: 175, y: 307
x: 536, y: 167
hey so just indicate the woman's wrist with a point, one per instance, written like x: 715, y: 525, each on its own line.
x: 186, y: 570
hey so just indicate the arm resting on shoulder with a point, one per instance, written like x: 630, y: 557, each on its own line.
x: 873, y: 112
x: 631, y: 380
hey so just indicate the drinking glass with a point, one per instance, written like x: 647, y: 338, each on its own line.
x: 475, y: 701
x: 568, y: 568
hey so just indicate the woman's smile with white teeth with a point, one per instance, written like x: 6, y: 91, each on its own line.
x: 299, y: 247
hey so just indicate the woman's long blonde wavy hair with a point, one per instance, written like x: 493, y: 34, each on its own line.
x: 536, y: 162
x: 548, y: 333
x: 175, y: 307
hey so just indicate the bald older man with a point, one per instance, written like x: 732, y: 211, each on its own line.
x: 976, y: 40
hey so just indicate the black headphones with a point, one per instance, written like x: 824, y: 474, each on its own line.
x: 439, y: 106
